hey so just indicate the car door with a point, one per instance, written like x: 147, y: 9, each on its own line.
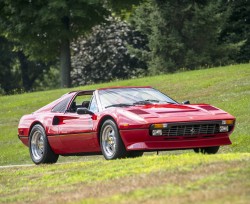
x: 76, y: 133
x: 76, y: 130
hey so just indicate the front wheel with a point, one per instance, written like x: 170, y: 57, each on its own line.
x: 40, y: 150
x: 207, y: 150
x: 111, y: 143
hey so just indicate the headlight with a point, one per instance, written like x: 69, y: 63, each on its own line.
x: 224, y: 128
x: 157, y: 132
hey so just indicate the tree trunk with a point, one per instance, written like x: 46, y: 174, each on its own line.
x: 24, y: 66
x: 65, y: 62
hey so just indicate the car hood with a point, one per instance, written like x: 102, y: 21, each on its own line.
x: 173, y: 112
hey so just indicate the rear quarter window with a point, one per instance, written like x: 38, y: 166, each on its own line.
x: 61, y: 107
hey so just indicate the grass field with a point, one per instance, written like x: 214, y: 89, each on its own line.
x: 185, y: 178
x: 169, y: 177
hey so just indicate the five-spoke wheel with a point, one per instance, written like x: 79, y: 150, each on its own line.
x: 111, y: 143
x: 40, y: 151
x: 37, y: 145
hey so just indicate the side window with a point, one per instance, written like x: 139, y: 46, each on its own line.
x: 80, y: 101
x: 61, y: 107
x: 93, y: 105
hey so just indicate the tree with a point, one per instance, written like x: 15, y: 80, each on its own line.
x: 104, y: 56
x: 9, y: 76
x: 237, y: 28
x: 182, y: 34
x: 17, y: 72
x: 30, y: 71
x: 44, y: 28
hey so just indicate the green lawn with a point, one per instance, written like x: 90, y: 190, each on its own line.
x: 171, y: 177
x: 186, y: 177
x: 225, y: 87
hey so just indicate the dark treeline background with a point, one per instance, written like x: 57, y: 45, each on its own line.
x: 60, y: 43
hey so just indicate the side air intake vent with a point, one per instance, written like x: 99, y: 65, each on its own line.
x: 139, y: 112
x: 209, y: 108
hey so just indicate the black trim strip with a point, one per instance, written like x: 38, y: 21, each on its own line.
x: 22, y: 136
x: 133, y: 129
x: 66, y: 134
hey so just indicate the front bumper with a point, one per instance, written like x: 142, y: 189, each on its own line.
x: 24, y: 139
x: 141, y: 140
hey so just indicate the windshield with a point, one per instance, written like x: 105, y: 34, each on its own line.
x: 132, y: 96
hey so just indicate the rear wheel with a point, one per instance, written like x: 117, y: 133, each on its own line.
x: 40, y: 150
x: 207, y: 150
x: 111, y: 143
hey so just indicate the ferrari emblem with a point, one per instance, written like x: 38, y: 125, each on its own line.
x: 193, y: 131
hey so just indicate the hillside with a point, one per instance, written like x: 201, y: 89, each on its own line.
x: 165, y: 178
x: 225, y: 87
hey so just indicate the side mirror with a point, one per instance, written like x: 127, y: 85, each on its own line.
x: 186, y: 102
x: 82, y: 111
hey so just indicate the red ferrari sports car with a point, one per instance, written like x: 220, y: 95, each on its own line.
x: 122, y: 122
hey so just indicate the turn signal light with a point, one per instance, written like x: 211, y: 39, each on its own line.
x: 160, y: 125
x: 227, y: 122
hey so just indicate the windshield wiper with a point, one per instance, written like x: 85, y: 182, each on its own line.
x: 150, y: 101
x: 119, y: 105
x: 145, y: 102
x: 171, y: 102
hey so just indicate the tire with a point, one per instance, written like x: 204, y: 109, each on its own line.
x: 111, y: 143
x: 40, y: 150
x: 207, y: 150
x: 134, y: 154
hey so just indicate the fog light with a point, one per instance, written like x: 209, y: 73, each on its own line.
x: 223, y: 128
x: 156, y: 132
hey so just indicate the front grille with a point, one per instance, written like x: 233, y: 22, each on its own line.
x: 191, y: 130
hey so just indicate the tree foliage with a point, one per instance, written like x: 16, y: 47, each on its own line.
x: 17, y: 71
x: 44, y: 28
x: 182, y: 34
x: 103, y: 55
x: 35, y: 39
x: 237, y: 28
x: 9, y: 76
